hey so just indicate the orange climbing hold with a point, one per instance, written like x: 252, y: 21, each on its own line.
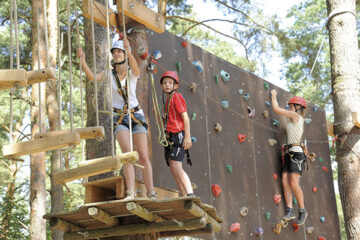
x: 296, y: 227
x: 325, y: 169
x: 321, y: 238
x: 277, y: 198
x: 314, y: 189
x: 275, y: 176
x: 216, y: 190
x: 184, y: 43
x: 235, y: 227
x: 241, y: 137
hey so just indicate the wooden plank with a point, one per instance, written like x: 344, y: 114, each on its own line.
x: 356, y: 119
x: 65, y: 226
x: 85, y: 133
x: 97, y: 194
x: 41, y: 145
x: 197, y: 211
x: 10, y: 78
x: 99, y: 12
x: 102, y: 216
x: 330, y: 128
x: 142, y: 14
x: 41, y: 75
x: 96, y: 166
x: 133, y: 229
x: 143, y: 213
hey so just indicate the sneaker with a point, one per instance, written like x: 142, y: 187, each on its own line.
x: 302, y: 216
x: 289, y: 214
x: 152, y: 195
x: 190, y: 195
x: 129, y: 195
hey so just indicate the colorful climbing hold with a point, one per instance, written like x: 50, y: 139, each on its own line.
x: 193, y: 139
x: 178, y: 66
x: 216, y: 190
x: 198, y: 65
x: 265, y: 114
x: 225, y: 104
x: 143, y: 53
x: 251, y: 112
x: 294, y: 201
x: 275, y: 122
x: 193, y: 87
x: 315, y: 109
x: 217, y: 127
x: 193, y: 116
x: 310, y: 229
x: 277, y: 198
x: 241, y: 91
x: 295, y: 227
x: 275, y: 176
x: 307, y: 120
x: 325, y: 169
x: 267, y: 215
x: 225, y: 76
x: 235, y: 227
x: 287, y: 107
x: 320, y: 159
x: 229, y: 168
x: 246, y: 96
x: 241, y: 137
x: 217, y: 78
x: 266, y: 85
x: 272, y: 142
x: 259, y: 231
x: 184, y: 43
x: 244, y: 211
x: 314, y: 189
x: 157, y: 54
x: 267, y: 103
x: 321, y: 238
x: 312, y: 156
x: 322, y: 219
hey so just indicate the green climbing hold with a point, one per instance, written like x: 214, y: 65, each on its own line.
x: 267, y: 215
x: 266, y: 85
x: 294, y: 201
x: 225, y: 76
x: 217, y: 78
x: 229, y: 168
x: 193, y: 116
x: 320, y: 159
x: 178, y: 66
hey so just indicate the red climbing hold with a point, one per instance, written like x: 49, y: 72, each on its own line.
x: 314, y: 189
x: 325, y: 169
x: 184, y: 43
x: 235, y: 227
x: 241, y: 137
x: 277, y: 198
x: 296, y: 227
x: 216, y: 190
x: 275, y: 176
x: 321, y: 238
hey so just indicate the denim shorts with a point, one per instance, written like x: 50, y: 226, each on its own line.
x: 136, y: 128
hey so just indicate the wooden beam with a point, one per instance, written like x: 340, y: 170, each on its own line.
x: 41, y: 145
x: 162, y: 7
x: 330, y: 128
x: 65, y: 226
x: 102, y: 216
x: 84, y: 133
x: 99, y: 12
x: 96, y: 166
x: 134, y: 229
x: 142, y: 14
x: 201, y: 231
x: 143, y: 212
x: 41, y: 75
x: 356, y: 119
x: 197, y: 211
x: 97, y: 194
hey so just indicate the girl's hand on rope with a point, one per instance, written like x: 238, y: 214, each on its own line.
x: 126, y: 44
x: 80, y: 53
x: 187, y: 143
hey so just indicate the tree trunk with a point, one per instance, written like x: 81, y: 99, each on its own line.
x: 52, y: 108
x: 346, y: 99
x: 37, y: 166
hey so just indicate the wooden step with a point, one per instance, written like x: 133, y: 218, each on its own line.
x: 41, y: 145
x: 85, y: 133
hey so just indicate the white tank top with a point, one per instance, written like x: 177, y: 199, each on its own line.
x: 294, y: 132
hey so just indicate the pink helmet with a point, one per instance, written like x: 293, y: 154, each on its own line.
x: 170, y: 74
x: 297, y: 100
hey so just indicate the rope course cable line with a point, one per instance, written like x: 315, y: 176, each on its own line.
x: 70, y: 66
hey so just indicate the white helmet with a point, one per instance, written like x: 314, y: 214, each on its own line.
x: 118, y: 45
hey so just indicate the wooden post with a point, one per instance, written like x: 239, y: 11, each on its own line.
x: 133, y: 229
x: 65, y: 226
x: 162, y: 7
x: 41, y: 75
x: 85, y: 133
x: 197, y: 211
x: 143, y: 212
x: 102, y: 216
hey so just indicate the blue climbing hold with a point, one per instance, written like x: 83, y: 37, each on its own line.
x: 275, y: 122
x: 225, y: 104
x: 259, y: 231
x: 322, y: 219
x: 225, y: 76
x: 307, y: 120
x: 267, y: 103
x: 241, y: 91
x: 198, y: 65
x: 315, y: 109
x: 287, y: 107
x: 157, y: 54
x: 193, y: 139
x: 246, y: 96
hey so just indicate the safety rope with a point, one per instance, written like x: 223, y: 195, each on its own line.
x: 46, y: 34
x: 38, y: 59
x: 16, y: 36
x: 70, y: 65
x: 60, y: 46
x: 94, y: 61
x: 11, y: 67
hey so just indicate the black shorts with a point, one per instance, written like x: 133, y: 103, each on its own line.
x: 294, y: 162
x: 175, y: 151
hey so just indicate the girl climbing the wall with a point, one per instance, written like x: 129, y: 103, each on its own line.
x: 121, y: 103
x: 294, y: 159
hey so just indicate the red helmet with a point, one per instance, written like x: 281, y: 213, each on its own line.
x: 297, y: 100
x: 170, y: 74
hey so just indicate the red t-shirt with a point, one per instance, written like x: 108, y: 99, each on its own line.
x: 177, y: 106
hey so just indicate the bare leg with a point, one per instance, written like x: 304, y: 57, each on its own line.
x: 141, y: 144
x: 181, y: 176
x: 294, y: 179
x: 287, y: 189
x: 123, y: 137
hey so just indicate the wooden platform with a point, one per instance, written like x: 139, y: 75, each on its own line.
x: 179, y: 217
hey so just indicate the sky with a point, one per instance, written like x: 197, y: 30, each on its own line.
x: 208, y: 10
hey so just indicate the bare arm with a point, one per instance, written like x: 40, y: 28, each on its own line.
x: 89, y: 74
x: 282, y: 111
x: 132, y: 61
x: 187, y: 140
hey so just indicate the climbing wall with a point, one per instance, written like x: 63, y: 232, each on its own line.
x: 239, y: 158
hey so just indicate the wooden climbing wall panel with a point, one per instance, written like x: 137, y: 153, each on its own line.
x: 250, y: 182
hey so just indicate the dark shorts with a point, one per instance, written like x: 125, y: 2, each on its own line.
x: 176, y: 151
x: 294, y: 162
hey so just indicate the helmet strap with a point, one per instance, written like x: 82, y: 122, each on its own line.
x: 119, y: 63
